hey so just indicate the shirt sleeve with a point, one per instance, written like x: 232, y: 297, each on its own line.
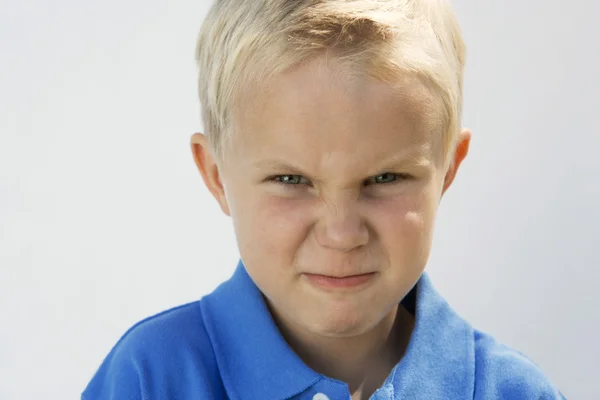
x: 165, y: 356
x: 119, y: 377
x: 503, y: 373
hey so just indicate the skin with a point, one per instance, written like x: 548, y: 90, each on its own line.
x: 335, y: 175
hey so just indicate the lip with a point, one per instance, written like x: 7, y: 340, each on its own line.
x: 346, y: 282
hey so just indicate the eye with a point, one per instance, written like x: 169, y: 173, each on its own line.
x: 387, y: 178
x: 290, y: 179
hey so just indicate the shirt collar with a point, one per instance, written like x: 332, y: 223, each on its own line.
x: 253, y: 358
x: 439, y: 362
x: 256, y: 362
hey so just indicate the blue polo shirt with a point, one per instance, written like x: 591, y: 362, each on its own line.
x: 227, y: 346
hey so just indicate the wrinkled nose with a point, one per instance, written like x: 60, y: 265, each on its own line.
x: 342, y: 228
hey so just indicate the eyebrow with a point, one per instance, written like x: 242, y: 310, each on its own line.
x: 397, y: 161
x: 413, y: 159
x: 280, y: 165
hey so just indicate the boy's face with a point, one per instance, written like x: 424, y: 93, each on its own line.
x: 336, y: 177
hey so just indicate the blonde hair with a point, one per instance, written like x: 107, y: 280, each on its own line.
x: 245, y: 43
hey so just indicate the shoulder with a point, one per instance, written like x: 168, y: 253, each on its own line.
x: 504, y: 373
x: 168, y: 354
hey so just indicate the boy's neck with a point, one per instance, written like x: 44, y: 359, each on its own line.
x: 363, y: 362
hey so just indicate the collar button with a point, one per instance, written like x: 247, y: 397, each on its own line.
x: 320, y: 396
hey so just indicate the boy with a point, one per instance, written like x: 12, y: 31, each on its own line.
x: 332, y: 132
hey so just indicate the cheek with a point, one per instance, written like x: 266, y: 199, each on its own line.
x: 273, y: 227
x: 269, y: 231
x: 406, y: 223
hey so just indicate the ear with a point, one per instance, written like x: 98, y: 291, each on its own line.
x: 462, y: 148
x: 207, y: 165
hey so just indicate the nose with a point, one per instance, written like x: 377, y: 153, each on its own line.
x: 341, y: 228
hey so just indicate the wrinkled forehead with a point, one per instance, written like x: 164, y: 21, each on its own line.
x: 325, y: 95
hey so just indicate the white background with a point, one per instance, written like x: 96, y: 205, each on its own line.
x: 104, y: 219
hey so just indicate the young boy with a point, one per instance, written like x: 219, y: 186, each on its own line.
x: 332, y: 132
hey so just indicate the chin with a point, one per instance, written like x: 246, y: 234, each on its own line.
x: 340, y: 325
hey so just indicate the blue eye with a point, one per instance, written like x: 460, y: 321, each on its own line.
x: 387, y: 178
x: 290, y: 179
x: 381, y: 179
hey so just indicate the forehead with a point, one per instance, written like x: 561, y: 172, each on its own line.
x: 321, y: 112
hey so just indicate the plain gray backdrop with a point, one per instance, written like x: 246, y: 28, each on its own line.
x: 104, y: 219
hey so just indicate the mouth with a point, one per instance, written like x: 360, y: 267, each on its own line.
x: 335, y: 282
